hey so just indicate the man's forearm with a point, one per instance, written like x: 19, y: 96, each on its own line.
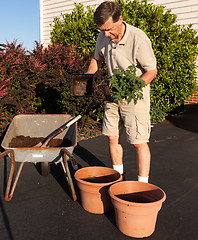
x: 93, y: 66
x: 149, y: 76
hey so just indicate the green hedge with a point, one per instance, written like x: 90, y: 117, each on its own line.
x: 175, y: 47
x: 77, y: 28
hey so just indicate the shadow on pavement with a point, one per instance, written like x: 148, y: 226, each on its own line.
x: 187, y: 119
x: 6, y: 220
x: 87, y: 156
x: 111, y: 217
x: 3, y: 211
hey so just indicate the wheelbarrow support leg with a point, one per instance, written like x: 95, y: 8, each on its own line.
x: 8, y: 193
x: 8, y: 196
x: 68, y: 175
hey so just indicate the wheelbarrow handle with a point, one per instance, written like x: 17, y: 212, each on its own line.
x: 59, y: 130
x: 67, y: 124
x: 75, y: 119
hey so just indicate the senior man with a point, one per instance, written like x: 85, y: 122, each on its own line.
x: 122, y: 45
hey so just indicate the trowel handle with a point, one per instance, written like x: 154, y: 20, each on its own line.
x: 75, y: 119
x: 70, y: 122
x: 60, y: 130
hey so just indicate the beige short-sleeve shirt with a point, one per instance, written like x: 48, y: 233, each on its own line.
x: 134, y: 48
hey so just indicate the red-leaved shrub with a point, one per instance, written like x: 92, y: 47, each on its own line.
x: 39, y: 81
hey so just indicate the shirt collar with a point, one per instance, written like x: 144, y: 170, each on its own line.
x: 123, y: 40
x: 125, y: 37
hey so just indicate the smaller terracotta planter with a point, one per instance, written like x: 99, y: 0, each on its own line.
x: 94, y: 183
x: 136, y: 207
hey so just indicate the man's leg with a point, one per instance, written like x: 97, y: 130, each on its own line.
x: 116, y: 152
x: 143, y: 157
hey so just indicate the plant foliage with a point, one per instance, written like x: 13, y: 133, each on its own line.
x: 77, y: 28
x: 39, y: 81
x: 157, y: 115
x: 17, y: 82
x: 126, y: 85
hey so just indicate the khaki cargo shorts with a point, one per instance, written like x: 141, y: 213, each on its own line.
x: 133, y: 118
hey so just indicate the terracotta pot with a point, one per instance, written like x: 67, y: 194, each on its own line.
x: 136, y: 207
x: 94, y: 183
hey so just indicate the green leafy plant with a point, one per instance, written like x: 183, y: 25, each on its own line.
x: 157, y: 115
x: 126, y: 85
x: 77, y: 28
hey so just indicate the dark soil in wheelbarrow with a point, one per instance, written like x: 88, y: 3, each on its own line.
x: 28, y: 142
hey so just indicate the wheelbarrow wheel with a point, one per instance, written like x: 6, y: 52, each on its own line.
x: 45, y: 168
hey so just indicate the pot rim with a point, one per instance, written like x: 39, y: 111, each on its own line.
x: 135, y: 203
x: 98, y: 184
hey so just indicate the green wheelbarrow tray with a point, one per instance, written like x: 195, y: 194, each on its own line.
x: 39, y: 125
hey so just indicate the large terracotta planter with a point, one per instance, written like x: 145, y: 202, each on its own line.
x: 94, y: 183
x: 136, y: 207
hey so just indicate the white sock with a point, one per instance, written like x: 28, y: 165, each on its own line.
x: 143, y: 179
x: 119, y: 168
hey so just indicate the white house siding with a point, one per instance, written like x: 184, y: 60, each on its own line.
x: 186, y: 10
x: 49, y: 9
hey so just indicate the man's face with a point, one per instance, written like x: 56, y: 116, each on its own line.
x: 112, y: 29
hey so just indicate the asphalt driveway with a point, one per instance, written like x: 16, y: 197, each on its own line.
x: 42, y: 207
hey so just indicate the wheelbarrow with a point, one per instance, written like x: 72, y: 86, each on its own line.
x: 39, y: 125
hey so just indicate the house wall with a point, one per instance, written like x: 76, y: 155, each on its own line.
x: 49, y: 9
x: 186, y: 11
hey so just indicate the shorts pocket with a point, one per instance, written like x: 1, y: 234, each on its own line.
x: 143, y: 128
